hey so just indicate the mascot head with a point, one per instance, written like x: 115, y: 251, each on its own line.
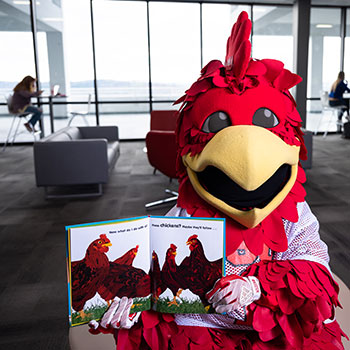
x: 240, y: 141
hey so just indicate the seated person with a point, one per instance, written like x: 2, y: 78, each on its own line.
x: 21, y: 103
x: 336, y: 95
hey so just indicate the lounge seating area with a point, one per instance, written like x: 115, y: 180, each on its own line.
x: 32, y: 254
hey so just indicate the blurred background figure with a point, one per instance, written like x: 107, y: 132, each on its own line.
x: 23, y: 92
x: 336, y: 96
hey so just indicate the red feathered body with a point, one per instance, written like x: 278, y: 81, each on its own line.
x: 125, y: 280
x: 128, y: 257
x: 89, y: 272
x: 239, y: 144
x: 199, y: 273
x: 119, y: 270
x: 171, y: 274
x: 158, y: 286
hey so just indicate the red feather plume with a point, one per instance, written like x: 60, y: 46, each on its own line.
x: 239, y: 47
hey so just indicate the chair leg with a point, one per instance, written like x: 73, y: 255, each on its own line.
x: 9, y: 134
x: 15, y: 134
x: 329, y: 123
x: 162, y: 201
x: 72, y: 117
x: 70, y: 120
x: 318, y: 124
x: 174, y: 193
x: 339, y: 124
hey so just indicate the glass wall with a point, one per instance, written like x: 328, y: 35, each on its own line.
x: 51, y: 59
x: 17, y: 57
x: 273, y: 34
x: 347, y: 48
x: 175, y: 48
x: 121, y: 44
x: 324, y: 49
x: 217, y: 22
x: 324, y: 63
x: 78, y: 55
x: 65, y: 60
x: 121, y: 50
x: 146, y: 54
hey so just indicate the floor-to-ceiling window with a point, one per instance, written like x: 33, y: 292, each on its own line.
x: 79, y: 75
x: 148, y: 53
x: 273, y: 34
x: 51, y: 59
x: 17, y: 57
x: 347, y: 47
x: 324, y: 61
x: 217, y: 22
x: 120, y: 30
x: 175, y: 50
x: 65, y: 60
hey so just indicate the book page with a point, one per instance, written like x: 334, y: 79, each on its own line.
x: 187, y: 259
x: 108, y: 260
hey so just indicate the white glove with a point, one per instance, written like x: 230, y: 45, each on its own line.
x: 232, y: 292
x: 118, y: 315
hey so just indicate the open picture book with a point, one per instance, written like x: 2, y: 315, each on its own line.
x: 167, y: 264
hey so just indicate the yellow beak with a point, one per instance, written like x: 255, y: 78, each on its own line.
x: 249, y: 155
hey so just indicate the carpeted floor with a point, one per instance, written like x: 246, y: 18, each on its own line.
x: 33, y: 292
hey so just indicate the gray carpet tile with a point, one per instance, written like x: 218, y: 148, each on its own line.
x: 33, y: 292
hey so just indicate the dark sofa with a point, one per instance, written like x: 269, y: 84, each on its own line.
x: 76, y: 156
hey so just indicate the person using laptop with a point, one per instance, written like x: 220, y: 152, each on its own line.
x: 21, y: 101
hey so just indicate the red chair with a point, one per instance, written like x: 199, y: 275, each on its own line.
x: 163, y: 120
x: 162, y: 149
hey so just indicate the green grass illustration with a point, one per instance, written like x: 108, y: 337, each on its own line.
x: 95, y: 312
x: 141, y: 304
x: 185, y: 306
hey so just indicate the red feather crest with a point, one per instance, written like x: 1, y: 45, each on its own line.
x: 239, y: 47
x: 173, y: 246
x: 240, y: 71
x: 103, y: 236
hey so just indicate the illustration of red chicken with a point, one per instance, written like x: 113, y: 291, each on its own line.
x: 124, y: 280
x: 158, y: 286
x: 89, y: 272
x: 128, y: 258
x: 171, y: 274
x: 199, y: 273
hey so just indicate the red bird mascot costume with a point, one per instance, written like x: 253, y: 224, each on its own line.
x: 240, y: 142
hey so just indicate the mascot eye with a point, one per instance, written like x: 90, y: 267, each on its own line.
x: 215, y: 122
x: 265, y: 118
x: 99, y: 242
